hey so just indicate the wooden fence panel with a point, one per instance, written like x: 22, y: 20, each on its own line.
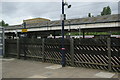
x: 115, y: 54
x: 11, y: 47
x: 31, y: 48
x: 91, y: 53
x: 53, y: 51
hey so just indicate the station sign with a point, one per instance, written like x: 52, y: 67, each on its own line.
x: 24, y: 30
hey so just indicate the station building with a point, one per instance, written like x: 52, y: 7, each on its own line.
x: 43, y: 28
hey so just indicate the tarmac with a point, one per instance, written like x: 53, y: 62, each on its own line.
x: 17, y: 68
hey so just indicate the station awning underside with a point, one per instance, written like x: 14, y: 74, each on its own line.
x: 104, y: 29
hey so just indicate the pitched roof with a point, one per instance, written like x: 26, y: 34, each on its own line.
x: 37, y: 19
x: 88, y: 20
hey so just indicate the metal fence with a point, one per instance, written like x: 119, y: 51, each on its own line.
x: 90, y: 53
x: 1, y: 41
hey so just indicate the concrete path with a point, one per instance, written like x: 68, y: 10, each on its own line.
x: 14, y: 68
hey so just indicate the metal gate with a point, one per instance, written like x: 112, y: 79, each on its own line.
x: 1, y: 41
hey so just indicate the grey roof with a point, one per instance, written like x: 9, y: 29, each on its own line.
x: 88, y: 20
x: 14, y: 27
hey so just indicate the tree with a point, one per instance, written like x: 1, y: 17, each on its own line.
x: 106, y: 11
x: 2, y: 23
x: 89, y: 14
x: 7, y: 24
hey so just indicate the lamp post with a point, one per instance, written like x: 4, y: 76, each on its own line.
x: 24, y: 40
x: 24, y: 25
x: 62, y: 32
x: 79, y: 32
x: 69, y: 30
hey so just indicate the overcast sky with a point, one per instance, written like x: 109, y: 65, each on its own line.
x: 14, y: 12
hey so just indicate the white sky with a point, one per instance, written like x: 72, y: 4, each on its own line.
x: 14, y: 11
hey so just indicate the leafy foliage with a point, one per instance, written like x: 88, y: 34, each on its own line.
x: 106, y: 11
x: 3, y: 24
x: 94, y: 33
x: 89, y: 15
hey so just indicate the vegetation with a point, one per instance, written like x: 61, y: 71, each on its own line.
x: 106, y: 11
x: 3, y: 24
x: 89, y: 15
x: 94, y: 33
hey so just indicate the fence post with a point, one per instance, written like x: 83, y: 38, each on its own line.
x: 6, y: 49
x: 109, y: 53
x: 3, y: 37
x: 25, y: 54
x: 18, y: 48
x: 72, y: 51
x: 43, y: 49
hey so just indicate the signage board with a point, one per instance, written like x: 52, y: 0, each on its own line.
x: 24, y: 30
